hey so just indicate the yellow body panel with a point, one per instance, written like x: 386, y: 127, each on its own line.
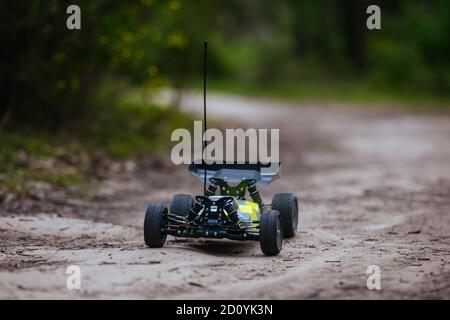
x: 248, y: 210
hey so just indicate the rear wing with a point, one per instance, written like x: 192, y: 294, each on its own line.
x: 263, y: 173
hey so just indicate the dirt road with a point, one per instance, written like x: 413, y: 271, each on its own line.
x: 374, y: 189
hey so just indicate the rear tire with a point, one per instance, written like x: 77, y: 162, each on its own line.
x: 155, y: 217
x: 270, y: 233
x: 181, y: 204
x: 287, y: 205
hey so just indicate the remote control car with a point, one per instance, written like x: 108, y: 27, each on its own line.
x: 227, y: 214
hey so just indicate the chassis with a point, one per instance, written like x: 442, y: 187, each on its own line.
x: 224, y: 212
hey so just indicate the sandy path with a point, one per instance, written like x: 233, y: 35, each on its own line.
x: 374, y: 188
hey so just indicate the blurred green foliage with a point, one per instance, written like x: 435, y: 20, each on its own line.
x: 124, y: 130
x: 51, y: 76
x: 67, y: 94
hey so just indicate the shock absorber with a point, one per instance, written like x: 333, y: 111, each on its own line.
x: 254, y: 193
x: 231, y: 210
x: 212, y: 188
x: 194, y: 211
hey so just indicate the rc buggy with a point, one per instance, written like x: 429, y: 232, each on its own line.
x: 230, y: 207
x: 225, y: 211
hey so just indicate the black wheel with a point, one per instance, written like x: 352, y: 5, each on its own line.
x: 270, y: 233
x: 181, y: 204
x: 287, y: 205
x: 155, y: 217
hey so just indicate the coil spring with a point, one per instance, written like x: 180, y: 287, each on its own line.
x: 232, y: 212
x: 194, y: 211
x: 212, y: 188
x: 254, y: 194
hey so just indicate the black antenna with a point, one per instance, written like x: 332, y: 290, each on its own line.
x: 205, y: 64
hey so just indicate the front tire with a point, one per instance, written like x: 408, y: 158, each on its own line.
x: 181, y: 204
x: 287, y: 205
x: 155, y: 218
x: 270, y: 233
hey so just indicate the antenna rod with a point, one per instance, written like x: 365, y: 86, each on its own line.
x: 205, y: 64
